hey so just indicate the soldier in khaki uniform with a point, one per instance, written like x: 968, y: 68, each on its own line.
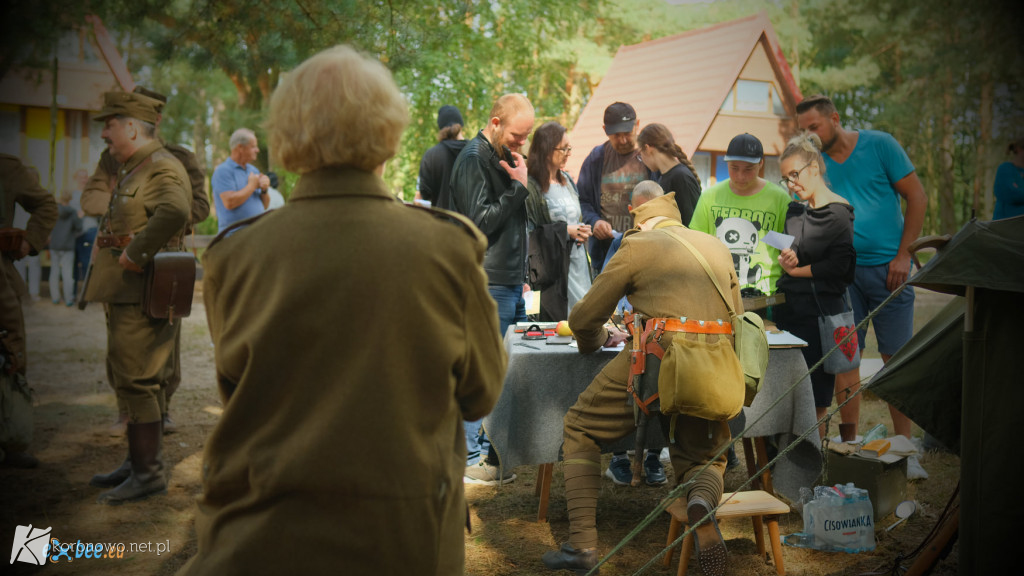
x: 100, y: 187
x: 18, y: 185
x: 147, y: 213
x: 661, y: 279
x: 353, y: 335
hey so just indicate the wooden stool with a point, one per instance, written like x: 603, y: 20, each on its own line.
x: 755, y: 504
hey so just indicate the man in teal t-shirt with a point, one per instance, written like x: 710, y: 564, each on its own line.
x: 741, y: 210
x: 873, y: 172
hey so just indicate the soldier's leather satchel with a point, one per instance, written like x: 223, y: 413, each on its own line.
x: 170, y: 281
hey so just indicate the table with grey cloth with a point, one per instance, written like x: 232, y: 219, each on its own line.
x: 544, y: 380
x: 793, y: 416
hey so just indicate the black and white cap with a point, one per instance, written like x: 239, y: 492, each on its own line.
x: 744, y: 148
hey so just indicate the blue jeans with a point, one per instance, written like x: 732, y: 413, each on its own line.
x: 894, y: 324
x: 511, y: 309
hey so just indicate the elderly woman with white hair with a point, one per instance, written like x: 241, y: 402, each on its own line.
x: 353, y: 335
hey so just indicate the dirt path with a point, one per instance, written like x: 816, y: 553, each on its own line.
x: 75, y: 408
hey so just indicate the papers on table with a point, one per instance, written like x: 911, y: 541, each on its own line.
x: 532, y: 299
x: 783, y: 339
x: 777, y: 240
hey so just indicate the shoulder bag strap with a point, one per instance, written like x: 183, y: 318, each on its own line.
x: 707, y: 268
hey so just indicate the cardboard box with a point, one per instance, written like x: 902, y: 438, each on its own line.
x: 886, y: 483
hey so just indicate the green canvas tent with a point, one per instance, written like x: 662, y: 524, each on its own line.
x: 984, y: 263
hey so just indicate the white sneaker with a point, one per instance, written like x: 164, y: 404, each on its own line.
x: 664, y: 457
x: 914, y: 469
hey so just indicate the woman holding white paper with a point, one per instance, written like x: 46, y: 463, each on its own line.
x: 818, y: 266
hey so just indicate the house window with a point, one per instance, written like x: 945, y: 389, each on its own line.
x: 772, y: 169
x: 702, y: 162
x: 10, y: 132
x: 753, y: 96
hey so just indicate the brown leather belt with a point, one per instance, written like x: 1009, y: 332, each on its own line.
x: 113, y: 241
x: 693, y: 326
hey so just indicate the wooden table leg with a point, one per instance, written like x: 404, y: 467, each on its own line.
x: 762, y: 459
x: 544, y: 473
x: 748, y: 456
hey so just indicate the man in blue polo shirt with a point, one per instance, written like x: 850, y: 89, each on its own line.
x: 872, y: 171
x: 239, y: 190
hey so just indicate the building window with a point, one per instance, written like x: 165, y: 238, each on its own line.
x: 702, y: 162
x: 772, y: 169
x: 754, y: 96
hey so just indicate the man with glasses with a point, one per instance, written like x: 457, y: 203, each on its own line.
x: 740, y: 211
x: 488, y: 186
x: 872, y: 171
x: 606, y: 180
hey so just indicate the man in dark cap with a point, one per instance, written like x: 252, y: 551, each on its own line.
x: 606, y: 182
x: 148, y: 213
x: 437, y: 162
x: 18, y: 186
x: 101, y: 185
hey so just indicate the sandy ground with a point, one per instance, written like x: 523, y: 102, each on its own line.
x: 75, y: 408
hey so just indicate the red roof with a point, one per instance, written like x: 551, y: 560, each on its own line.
x: 679, y: 81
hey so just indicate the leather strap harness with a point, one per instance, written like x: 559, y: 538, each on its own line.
x: 646, y: 336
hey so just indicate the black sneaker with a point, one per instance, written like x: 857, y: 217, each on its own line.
x: 618, y: 470
x: 654, y: 472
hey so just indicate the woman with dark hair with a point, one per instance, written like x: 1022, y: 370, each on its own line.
x: 554, y: 220
x: 660, y: 153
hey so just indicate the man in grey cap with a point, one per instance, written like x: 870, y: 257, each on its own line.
x: 147, y: 214
x: 433, y: 184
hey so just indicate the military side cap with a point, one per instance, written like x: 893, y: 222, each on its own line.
x: 130, y: 104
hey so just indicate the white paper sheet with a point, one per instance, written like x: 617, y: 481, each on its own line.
x: 777, y: 240
x: 783, y: 338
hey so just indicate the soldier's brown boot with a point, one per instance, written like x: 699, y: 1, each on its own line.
x: 146, y: 477
x: 120, y: 474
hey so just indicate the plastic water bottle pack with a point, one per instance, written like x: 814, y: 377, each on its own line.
x: 836, y: 518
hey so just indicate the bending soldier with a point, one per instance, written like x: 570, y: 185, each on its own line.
x: 661, y: 279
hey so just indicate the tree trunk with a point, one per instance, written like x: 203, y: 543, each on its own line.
x: 947, y: 203
x: 981, y: 184
x: 794, y: 50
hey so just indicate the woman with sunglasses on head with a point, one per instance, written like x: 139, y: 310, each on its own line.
x: 555, y: 221
x: 820, y: 262
x: 660, y: 153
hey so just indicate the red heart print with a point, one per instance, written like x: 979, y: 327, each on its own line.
x: 849, y: 349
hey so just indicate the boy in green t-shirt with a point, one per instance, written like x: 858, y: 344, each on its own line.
x: 740, y: 211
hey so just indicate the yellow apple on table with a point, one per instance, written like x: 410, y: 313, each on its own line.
x: 562, y: 328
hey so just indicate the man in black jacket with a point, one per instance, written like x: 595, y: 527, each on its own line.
x: 489, y: 186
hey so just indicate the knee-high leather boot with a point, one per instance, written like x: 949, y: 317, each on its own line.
x: 147, y: 468
x: 109, y: 480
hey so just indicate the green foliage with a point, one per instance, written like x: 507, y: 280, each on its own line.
x: 914, y: 69
x: 207, y: 227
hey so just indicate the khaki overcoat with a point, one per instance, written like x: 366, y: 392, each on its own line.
x: 100, y: 185
x: 353, y: 336
x: 151, y: 202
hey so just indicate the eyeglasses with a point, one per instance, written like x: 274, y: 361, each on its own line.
x: 566, y: 150
x: 793, y: 177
